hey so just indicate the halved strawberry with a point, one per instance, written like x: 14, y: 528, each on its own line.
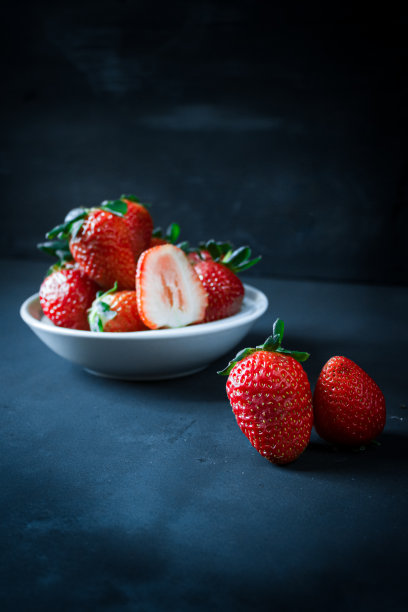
x: 169, y: 292
x: 115, y: 311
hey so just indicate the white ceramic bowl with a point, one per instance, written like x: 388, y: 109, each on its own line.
x: 147, y: 355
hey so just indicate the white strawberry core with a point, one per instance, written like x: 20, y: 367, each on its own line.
x: 170, y: 294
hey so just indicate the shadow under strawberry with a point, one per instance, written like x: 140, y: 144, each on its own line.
x: 375, y: 459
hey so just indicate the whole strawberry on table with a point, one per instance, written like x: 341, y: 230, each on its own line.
x: 349, y: 406
x: 271, y: 399
x: 113, y: 248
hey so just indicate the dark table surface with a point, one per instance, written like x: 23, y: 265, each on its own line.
x: 146, y: 496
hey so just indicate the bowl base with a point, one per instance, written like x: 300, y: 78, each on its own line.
x: 146, y: 377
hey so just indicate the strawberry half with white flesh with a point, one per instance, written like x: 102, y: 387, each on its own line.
x: 169, y: 292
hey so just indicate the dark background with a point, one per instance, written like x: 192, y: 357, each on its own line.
x: 240, y: 120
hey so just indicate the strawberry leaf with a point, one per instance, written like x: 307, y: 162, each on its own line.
x: 74, y: 214
x: 130, y: 197
x: 56, y: 248
x: 278, y: 328
x: 173, y: 232
x: 298, y: 355
x: 237, y: 260
x: 272, y: 344
x: 238, y: 357
x: 133, y: 198
x: 100, y: 312
x: 117, y: 207
x: 63, y: 231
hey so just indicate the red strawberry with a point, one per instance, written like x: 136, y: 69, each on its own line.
x: 217, y: 271
x: 66, y: 294
x: 139, y: 223
x: 99, y: 242
x: 349, y: 407
x: 271, y: 398
x: 169, y: 292
x: 115, y: 311
x: 195, y: 257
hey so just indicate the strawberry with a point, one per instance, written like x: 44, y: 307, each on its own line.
x: 199, y: 255
x: 169, y: 292
x: 217, y: 267
x: 115, y: 311
x: 100, y: 243
x: 349, y: 407
x: 139, y: 223
x: 271, y: 399
x: 66, y: 294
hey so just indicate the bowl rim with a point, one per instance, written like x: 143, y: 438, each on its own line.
x: 257, y: 300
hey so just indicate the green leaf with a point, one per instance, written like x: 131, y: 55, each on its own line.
x: 75, y: 227
x: 100, y: 312
x: 75, y: 213
x: 238, y: 256
x: 56, y: 248
x: 63, y: 231
x: 300, y: 356
x: 272, y: 343
x: 173, y: 232
x: 238, y: 357
x: 56, y: 231
x: 130, y: 197
x: 278, y: 329
x: 249, y: 264
x: 157, y: 232
x: 117, y: 207
x: 213, y: 249
x: 184, y: 246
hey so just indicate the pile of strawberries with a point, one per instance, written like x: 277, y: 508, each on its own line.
x: 115, y: 273
x: 273, y: 404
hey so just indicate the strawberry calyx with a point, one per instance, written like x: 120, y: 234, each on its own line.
x: 100, y: 312
x: 272, y: 344
x: 76, y: 217
x: 237, y: 260
x: 131, y: 198
x: 58, y: 248
x: 170, y: 235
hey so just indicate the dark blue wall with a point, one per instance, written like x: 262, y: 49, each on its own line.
x: 241, y: 122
